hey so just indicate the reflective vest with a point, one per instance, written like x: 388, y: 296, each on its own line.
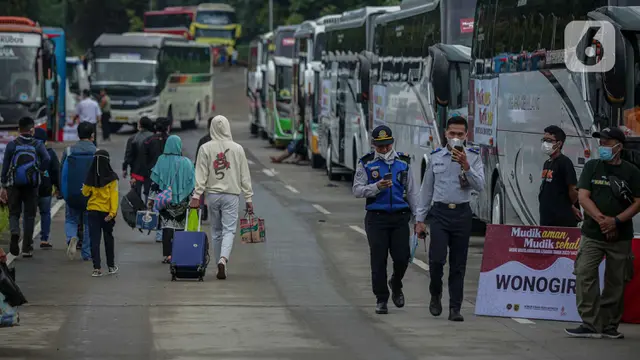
x: 393, y: 199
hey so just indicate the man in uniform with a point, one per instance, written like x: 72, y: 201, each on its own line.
x: 384, y: 177
x: 452, y: 174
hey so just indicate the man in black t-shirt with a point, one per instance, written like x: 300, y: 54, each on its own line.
x: 609, y: 192
x: 558, y: 192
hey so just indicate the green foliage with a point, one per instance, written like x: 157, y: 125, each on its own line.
x: 85, y: 20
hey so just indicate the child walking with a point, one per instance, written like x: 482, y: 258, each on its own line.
x: 101, y: 186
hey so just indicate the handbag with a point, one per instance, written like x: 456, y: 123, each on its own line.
x: 147, y: 220
x: 163, y: 199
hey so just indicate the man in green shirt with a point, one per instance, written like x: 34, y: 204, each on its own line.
x: 609, y: 193
x: 105, y: 107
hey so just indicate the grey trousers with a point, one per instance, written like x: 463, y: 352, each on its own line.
x: 223, y: 214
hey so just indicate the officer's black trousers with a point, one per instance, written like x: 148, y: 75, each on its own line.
x: 388, y: 233
x: 450, y: 228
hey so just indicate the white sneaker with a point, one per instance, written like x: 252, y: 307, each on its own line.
x: 71, y: 248
x: 222, y: 269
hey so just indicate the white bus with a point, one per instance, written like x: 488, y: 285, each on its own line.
x: 257, y: 84
x: 153, y: 75
x: 411, y: 46
x: 344, y: 129
x: 310, y: 42
x: 520, y: 85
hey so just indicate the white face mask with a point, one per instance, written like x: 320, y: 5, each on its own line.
x: 453, y: 142
x: 387, y: 156
x: 547, y: 148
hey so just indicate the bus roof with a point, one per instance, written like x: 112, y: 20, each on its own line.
x: 134, y: 40
x: 311, y: 27
x: 171, y: 36
x: 286, y: 28
x: 411, y: 9
x: 19, y: 24
x: 173, y: 10
x: 216, y: 6
x: 356, y: 18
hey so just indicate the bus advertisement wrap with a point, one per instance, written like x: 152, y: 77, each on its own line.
x: 486, y: 105
x: 325, y: 98
x: 379, y: 104
x: 527, y: 272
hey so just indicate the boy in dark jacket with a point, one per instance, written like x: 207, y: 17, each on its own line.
x: 154, y: 147
x: 50, y: 179
x: 134, y: 158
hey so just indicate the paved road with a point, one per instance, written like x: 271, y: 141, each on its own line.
x: 303, y: 295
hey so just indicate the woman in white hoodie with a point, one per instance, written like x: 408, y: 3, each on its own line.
x: 222, y: 173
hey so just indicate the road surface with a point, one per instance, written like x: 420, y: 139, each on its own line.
x: 305, y: 294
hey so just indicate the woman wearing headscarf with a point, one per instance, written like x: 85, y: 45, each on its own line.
x: 101, y: 186
x: 172, y: 170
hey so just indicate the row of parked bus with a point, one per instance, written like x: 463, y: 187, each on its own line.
x: 153, y: 75
x: 214, y: 24
x: 499, y: 63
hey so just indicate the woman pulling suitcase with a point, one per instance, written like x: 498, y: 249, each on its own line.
x: 172, y: 182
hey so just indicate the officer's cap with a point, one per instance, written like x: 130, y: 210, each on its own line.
x: 382, y: 135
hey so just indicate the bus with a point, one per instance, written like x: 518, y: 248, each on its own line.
x: 27, y: 61
x: 344, y: 130
x: 411, y: 46
x: 153, y: 75
x: 57, y: 96
x: 310, y: 42
x: 257, y: 87
x: 216, y: 25
x: 279, y: 129
x: 77, y: 75
x: 172, y: 20
x: 508, y: 117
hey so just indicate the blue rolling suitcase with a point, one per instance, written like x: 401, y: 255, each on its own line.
x: 189, y: 254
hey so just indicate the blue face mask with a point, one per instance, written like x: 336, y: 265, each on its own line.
x: 605, y: 153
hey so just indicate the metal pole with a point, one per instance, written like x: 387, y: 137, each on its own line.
x: 270, y: 15
x: 150, y: 5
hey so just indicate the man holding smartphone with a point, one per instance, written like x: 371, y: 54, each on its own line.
x: 452, y: 174
x: 384, y: 178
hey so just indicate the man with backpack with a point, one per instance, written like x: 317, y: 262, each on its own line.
x: 154, y: 147
x: 134, y: 158
x: 75, y: 164
x: 50, y: 179
x: 23, y: 160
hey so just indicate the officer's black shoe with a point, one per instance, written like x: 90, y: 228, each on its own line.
x: 381, y: 308
x: 435, y: 306
x: 454, y: 315
x: 397, y: 296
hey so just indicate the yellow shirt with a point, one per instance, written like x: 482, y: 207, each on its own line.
x: 103, y: 199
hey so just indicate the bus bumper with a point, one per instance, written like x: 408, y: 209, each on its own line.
x: 132, y: 116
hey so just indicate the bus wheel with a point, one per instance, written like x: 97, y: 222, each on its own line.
x: 192, y: 124
x: 317, y: 162
x: 497, y: 204
x: 264, y: 134
x: 115, y: 127
x: 329, y: 166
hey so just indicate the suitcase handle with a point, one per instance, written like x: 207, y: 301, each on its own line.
x: 186, y: 220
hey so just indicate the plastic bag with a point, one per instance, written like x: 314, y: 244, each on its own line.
x: 4, y: 218
x: 413, y: 245
x: 193, y: 220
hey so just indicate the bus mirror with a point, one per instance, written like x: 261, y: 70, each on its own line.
x: 614, y: 80
x: 271, y: 73
x: 440, y: 76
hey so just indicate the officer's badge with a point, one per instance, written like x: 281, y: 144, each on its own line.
x: 375, y: 174
x: 382, y: 134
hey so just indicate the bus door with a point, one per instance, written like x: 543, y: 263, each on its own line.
x: 341, y: 112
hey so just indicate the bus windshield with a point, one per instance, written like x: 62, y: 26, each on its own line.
x: 18, y: 70
x: 164, y: 21
x: 214, y: 33
x: 285, y: 44
x: 284, y: 78
x: 215, y: 17
x: 124, y: 72
x: 458, y: 17
x: 319, y: 45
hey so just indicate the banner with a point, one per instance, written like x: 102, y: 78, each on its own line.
x: 527, y: 272
x: 485, y: 111
x: 379, y: 105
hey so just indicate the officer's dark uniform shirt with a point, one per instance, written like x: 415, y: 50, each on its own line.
x: 402, y: 195
x: 441, y: 182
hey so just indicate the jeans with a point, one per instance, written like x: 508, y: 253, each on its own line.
x: 99, y: 227
x: 72, y: 217
x: 18, y: 196
x: 223, y: 211
x: 44, y: 204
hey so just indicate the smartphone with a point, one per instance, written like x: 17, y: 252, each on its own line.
x: 387, y: 176
x: 459, y: 148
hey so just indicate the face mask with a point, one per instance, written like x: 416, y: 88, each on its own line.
x: 387, y: 156
x: 455, y: 142
x: 547, y: 148
x: 605, y: 153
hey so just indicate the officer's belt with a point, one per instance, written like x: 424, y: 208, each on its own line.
x: 442, y: 205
